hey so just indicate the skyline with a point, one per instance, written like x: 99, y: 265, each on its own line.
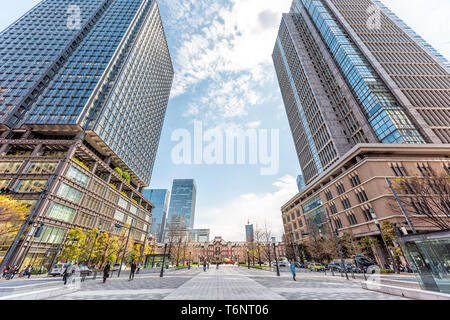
x: 251, y: 189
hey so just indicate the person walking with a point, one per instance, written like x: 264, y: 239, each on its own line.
x: 217, y: 266
x: 5, y: 271
x: 29, y: 271
x: 106, y: 271
x: 204, y: 265
x: 138, y: 268
x: 292, y: 266
x: 67, y: 273
x: 133, y: 270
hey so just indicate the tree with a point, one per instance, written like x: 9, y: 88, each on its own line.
x: 426, y: 197
x: 106, y: 249
x: 73, y: 245
x: 266, y: 235
x: 349, y: 245
x: 389, y: 234
x: 88, y: 246
x: 12, y: 216
x: 121, y: 243
x: 367, y: 244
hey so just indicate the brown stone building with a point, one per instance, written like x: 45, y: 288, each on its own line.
x: 357, y: 184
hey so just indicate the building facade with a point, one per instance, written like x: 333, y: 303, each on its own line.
x: 160, y: 199
x: 85, y: 86
x: 249, y: 234
x: 357, y: 82
x: 355, y: 187
x: 199, y: 235
x: 300, y: 183
x: 182, y: 202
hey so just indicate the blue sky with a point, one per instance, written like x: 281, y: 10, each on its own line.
x: 225, y: 78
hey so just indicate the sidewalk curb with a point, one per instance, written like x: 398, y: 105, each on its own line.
x: 405, y: 292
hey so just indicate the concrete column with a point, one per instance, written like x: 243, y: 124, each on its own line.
x: 4, y: 150
x: 36, y: 150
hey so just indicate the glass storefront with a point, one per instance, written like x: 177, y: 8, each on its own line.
x: 429, y: 257
x: 156, y: 260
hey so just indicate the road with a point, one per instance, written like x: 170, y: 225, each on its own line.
x: 227, y: 283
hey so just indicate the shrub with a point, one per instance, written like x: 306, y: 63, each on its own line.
x: 127, y: 177
x: 387, y: 271
x: 80, y: 163
x: 119, y: 171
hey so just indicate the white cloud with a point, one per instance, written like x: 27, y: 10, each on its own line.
x: 228, y: 51
x: 229, y: 221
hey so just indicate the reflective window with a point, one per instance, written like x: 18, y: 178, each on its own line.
x: 41, y: 167
x: 69, y: 193
x: 30, y: 186
x: 10, y: 167
x: 60, y: 212
x: 77, y: 176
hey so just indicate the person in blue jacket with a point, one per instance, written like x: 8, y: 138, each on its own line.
x: 292, y: 266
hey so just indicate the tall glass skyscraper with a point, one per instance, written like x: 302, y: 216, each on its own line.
x: 84, y: 87
x: 345, y: 81
x: 182, y: 202
x: 160, y: 199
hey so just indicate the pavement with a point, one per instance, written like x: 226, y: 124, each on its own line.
x: 227, y: 283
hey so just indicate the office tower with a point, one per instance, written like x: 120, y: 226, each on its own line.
x: 85, y: 86
x: 364, y: 95
x: 300, y: 182
x: 182, y: 203
x: 249, y: 236
x: 343, y: 83
x: 199, y: 235
x: 160, y: 199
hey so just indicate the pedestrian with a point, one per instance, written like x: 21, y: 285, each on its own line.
x: 13, y: 272
x: 106, y: 271
x: 5, y: 271
x: 133, y: 270
x: 41, y: 269
x: 292, y: 266
x: 204, y: 266
x: 217, y: 266
x: 208, y: 265
x: 67, y: 273
x: 138, y: 268
x: 29, y: 271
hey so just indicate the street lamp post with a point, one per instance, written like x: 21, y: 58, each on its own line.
x: 189, y: 264
x: 408, y: 220
x: 276, y: 259
x: 164, y: 261
x: 126, y: 245
x: 377, y: 223
x: 294, y: 246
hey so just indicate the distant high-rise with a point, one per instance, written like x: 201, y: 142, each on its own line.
x: 160, y: 199
x: 300, y: 182
x: 345, y: 82
x: 182, y: 202
x: 249, y: 236
x: 84, y: 87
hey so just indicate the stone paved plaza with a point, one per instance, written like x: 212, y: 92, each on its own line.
x: 227, y: 283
